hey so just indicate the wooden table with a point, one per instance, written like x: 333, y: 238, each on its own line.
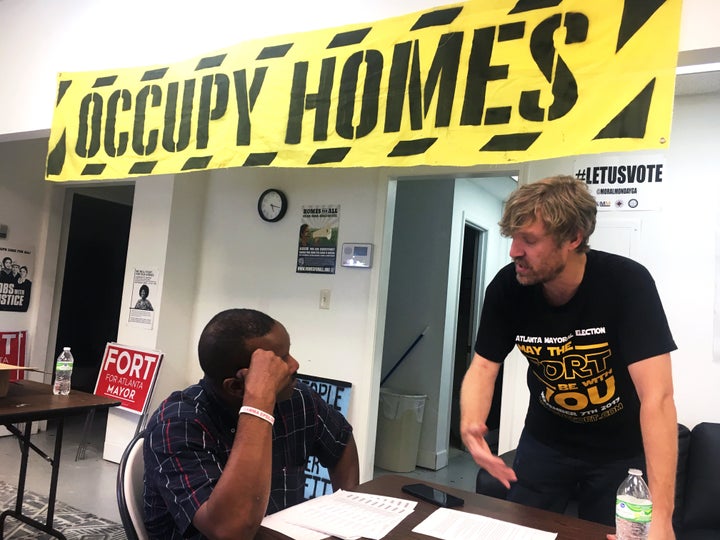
x: 29, y: 401
x: 566, y: 527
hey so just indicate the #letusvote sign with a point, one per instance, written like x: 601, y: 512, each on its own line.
x: 624, y: 182
x: 128, y: 374
x: 480, y: 82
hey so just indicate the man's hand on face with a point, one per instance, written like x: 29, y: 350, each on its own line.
x: 267, y: 375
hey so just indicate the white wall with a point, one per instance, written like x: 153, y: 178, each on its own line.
x: 697, y: 28
x: 245, y: 262
x: 32, y: 211
x: 679, y: 245
x: 165, y: 237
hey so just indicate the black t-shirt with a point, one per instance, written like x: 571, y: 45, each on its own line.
x: 582, y: 399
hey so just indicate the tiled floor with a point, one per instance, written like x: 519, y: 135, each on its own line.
x: 89, y: 484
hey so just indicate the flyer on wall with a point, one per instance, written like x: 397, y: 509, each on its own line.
x: 317, y: 239
x: 15, y: 278
x: 142, y: 311
x: 622, y: 183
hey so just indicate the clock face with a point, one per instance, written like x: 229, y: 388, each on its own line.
x: 272, y: 205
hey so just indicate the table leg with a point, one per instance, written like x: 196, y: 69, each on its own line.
x: 55, y: 471
x: 25, y: 454
x: 25, y: 446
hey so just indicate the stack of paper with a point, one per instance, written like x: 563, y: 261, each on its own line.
x: 343, y: 514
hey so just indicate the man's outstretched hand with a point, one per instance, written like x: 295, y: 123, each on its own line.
x: 474, y: 438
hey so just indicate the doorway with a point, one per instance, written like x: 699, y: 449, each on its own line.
x: 92, y: 282
x: 468, y: 316
x: 429, y: 266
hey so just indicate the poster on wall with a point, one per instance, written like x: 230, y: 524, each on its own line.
x: 15, y: 278
x: 623, y: 183
x: 337, y: 395
x: 317, y: 239
x: 142, y: 311
x: 12, y: 351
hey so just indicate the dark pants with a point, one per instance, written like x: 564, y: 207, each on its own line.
x: 549, y: 479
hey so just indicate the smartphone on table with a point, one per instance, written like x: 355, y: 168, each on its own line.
x: 433, y: 495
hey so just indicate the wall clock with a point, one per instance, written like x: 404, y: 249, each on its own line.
x: 272, y: 205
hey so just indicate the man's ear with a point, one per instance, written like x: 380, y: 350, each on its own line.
x: 575, y: 242
x: 234, y: 386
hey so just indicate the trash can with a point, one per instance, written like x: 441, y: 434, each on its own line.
x: 398, y: 433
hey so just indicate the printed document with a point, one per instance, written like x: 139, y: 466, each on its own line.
x: 456, y: 525
x: 344, y: 514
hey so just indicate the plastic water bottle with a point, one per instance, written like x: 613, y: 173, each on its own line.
x: 63, y: 372
x: 633, y: 508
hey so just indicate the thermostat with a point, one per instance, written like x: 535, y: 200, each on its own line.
x: 357, y: 255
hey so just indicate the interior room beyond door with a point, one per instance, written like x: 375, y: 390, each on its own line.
x: 92, y: 286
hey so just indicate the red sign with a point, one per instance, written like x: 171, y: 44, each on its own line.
x: 12, y: 351
x: 128, y: 374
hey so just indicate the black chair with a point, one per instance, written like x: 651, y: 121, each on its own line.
x: 486, y: 484
x: 129, y: 489
x: 699, y: 513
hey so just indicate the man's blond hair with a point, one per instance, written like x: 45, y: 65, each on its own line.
x: 562, y: 203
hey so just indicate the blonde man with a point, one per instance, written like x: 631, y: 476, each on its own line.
x: 592, y: 327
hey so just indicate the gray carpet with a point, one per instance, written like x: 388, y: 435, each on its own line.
x: 73, y: 523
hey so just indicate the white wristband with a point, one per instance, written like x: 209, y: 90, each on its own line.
x: 269, y: 418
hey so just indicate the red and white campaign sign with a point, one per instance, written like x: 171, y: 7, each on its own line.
x: 128, y: 374
x: 12, y: 351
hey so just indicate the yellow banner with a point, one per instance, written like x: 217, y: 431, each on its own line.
x: 481, y: 82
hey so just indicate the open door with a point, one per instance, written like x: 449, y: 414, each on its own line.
x: 92, y: 282
x: 468, y: 317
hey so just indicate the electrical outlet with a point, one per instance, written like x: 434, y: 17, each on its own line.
x: 324, y: 298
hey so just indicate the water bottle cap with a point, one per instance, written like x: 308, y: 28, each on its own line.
x: 66, y: 349
x: 635, y: 472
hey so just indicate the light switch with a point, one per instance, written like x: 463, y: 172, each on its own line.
x: 324, y: 298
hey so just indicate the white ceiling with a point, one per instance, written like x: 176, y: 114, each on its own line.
x: 697, y: 83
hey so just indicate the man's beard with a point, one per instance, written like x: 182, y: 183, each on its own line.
x: 534, y: 276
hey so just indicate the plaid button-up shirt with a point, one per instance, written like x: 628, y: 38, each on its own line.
x: 188, y: 443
